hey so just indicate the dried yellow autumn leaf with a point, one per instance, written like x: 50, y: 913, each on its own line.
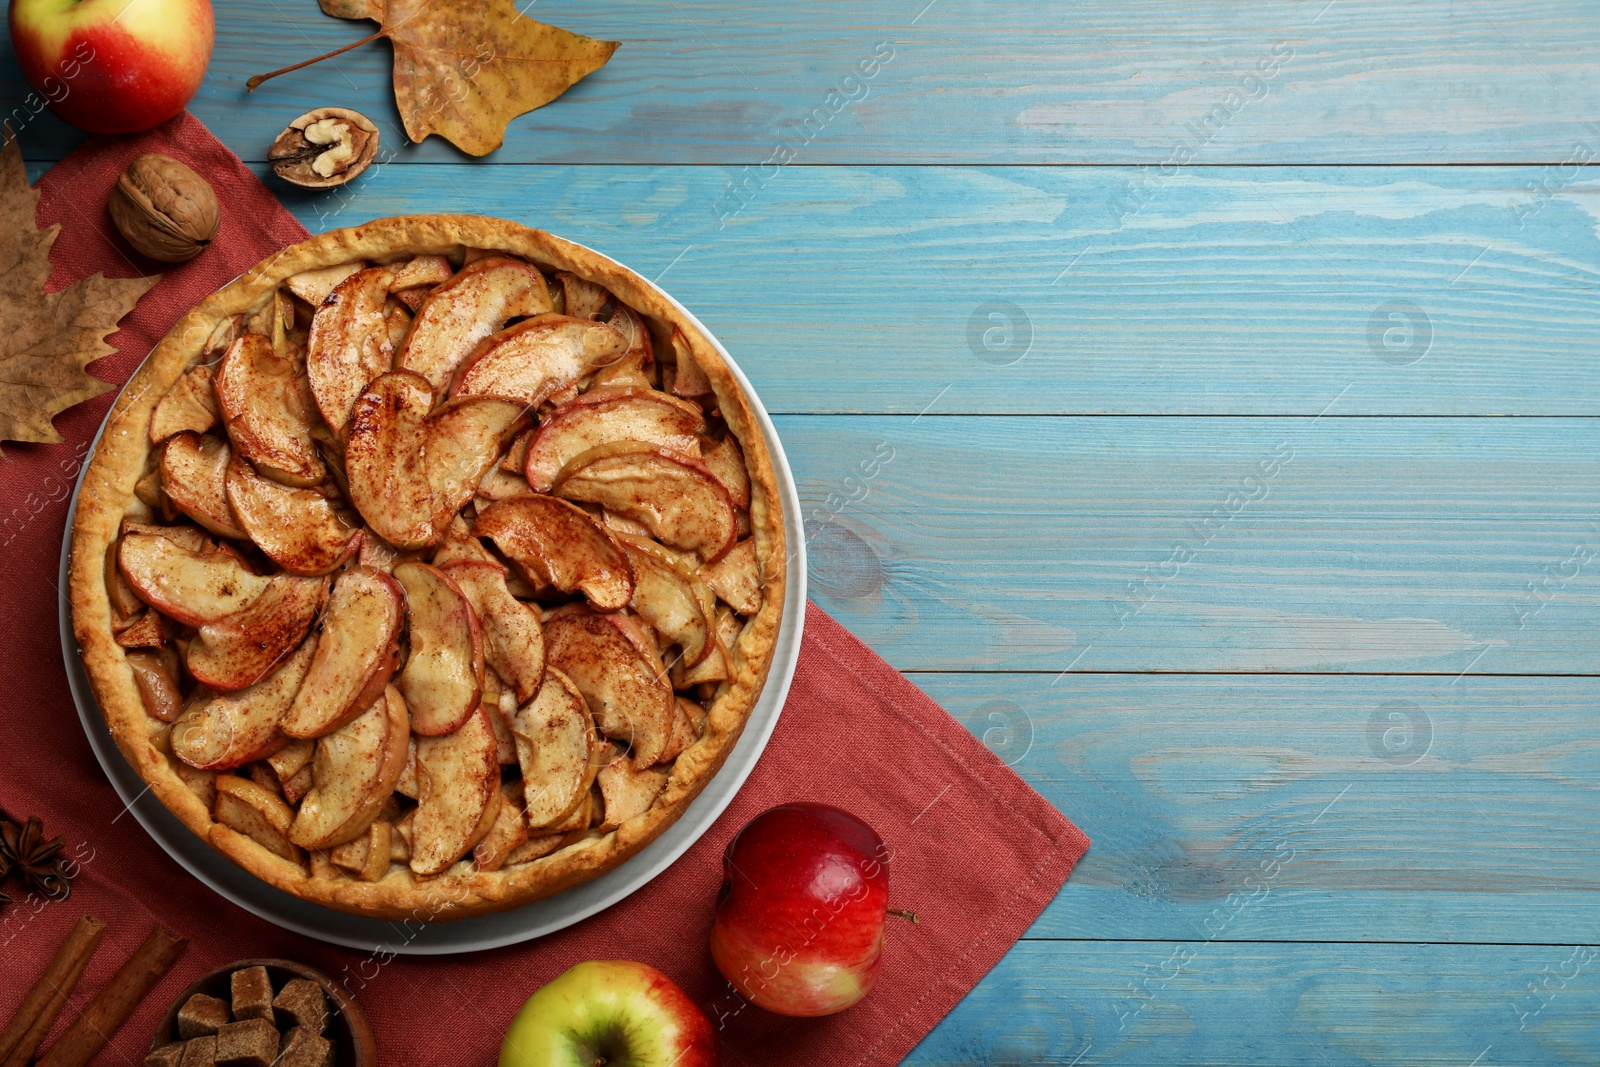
x: 465, y: 68
x: 47, y: 339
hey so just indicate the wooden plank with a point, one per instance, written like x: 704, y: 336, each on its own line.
x: 1166, y: 1004
x: 1294, y: 808
x: 697, y: 81
x: 1376, y: 291
x: 1271, y: 545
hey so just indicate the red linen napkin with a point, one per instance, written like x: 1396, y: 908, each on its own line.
x: 849, y: 719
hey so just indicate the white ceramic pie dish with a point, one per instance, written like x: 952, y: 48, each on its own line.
x: 489, y: 931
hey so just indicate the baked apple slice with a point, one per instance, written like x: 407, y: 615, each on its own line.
x: 236, y: 728
x: 672, y: 495
x: 313, y: 286
x: 259, y: 395
x: 601, y: 416
x: 367, y: 855
x: 666, y: 596
x: 582, y: 298
x: 297, y: 528
x: 349, y: 344
x: 420, y: 270
x: 629, y: 370
x: 510, y: 831
x: 256, y: 812
x: 726, y: 462
x: 558, y: 750
x: 458, y: 778
x: 625, y: 685
x: 385, y: 459
x: 736, y: 577
x: 194, y: 475
x: 629, y: 791
x: 464, y: 439
x: 558, y: 545
x: 192, y: 585
x: 513, y: 637
x: 355, y: 655
x: 443, y: 676
x: 475, y: 302
x: 535, y: 359
x: 188, y: 405
x: 238, y: 650
x: 353, y: 774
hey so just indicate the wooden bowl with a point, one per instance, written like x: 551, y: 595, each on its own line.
x: 348, y: 1029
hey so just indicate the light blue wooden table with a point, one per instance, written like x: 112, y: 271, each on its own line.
x: 1237, y: 366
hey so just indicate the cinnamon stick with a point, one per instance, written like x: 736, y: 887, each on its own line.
x: 116, y: 1000
x: 27, y: 1029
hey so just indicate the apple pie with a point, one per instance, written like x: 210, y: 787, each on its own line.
x: 430, y: 567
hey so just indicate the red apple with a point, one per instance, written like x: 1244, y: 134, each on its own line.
x: 113, y: 66
x: 805, y: 893
x: 612, y: 1012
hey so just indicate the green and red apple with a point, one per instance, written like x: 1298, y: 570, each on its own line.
x: 614, y: 1013
x: 113, y: 66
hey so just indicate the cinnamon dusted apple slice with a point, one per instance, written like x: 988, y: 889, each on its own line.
x: 624, y: 683
x: 459, y: 544
x: 256, y: 812
x: 510, y: 830
x: 688, y: 380
x: 629, y: 370
x: 418, y: 271
x: 194, y: 473
x: 513, y: 637
x: 236, y: 728
x: 367, y: 855
x: 582, y: 298
x: 188, y: 405
x: 313, y: 286
x: 297, y: 528
x: 355, y: 655
x: 736, y: 577
x: 385, y: 459
x: 618, y: 414
x: 353, y: 774
x: 629, y: 791
x: 498, y: 484
x: 349, y: 344
x: 687, y: 723
x: 238, y: 650
x: 558, y: 545
x: 158, y: 688
x: 463, y: 441
x: 726, y: 462
x: 458, y: 778
x: 259, y: 396
x: 672, y: 495
x: 533, y: 360
x: 191, y: 585
x: 443, y: 677
x: 293, y: 757
x: 558, y: 750
x: 475, y: 302
x: 669, y: 597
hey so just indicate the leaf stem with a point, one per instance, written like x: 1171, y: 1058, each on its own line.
x: 254, y: 83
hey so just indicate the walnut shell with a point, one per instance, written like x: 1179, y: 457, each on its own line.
x: 164, y: 209
x: 323, y: 164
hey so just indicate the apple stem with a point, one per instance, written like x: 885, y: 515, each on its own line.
x: 251, y: 85
x: 904, y: 914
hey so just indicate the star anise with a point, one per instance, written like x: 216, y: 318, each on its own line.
x: 36, y: 860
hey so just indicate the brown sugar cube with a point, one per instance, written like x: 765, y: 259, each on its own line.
x: 201, y: 1016
x: 302, y: 1048
x: 303, y: 1002
x: 199, y: 1052
x: 248, y: 1043
x: 252, y: 994
x: 166, y: 1056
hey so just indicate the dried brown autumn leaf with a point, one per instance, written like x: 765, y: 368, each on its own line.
x: 46, y: 339
x: 465, y: 68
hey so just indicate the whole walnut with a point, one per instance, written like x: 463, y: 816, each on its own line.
x: 164, y: 209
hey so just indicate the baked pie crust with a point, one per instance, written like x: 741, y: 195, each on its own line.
x: 125, y: 455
